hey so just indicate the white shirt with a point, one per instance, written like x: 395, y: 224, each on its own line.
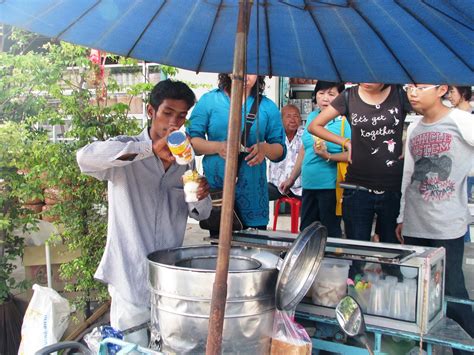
x: 146, y: 210
x: 281, y: 171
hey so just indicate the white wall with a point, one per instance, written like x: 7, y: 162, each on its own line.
x: 271, y: 89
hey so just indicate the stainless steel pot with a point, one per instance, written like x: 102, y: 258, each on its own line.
x: 181, y: 283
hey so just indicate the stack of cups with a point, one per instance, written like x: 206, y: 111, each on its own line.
x: 377, y: 299
x: 397, y: 302
x: 409, y: 289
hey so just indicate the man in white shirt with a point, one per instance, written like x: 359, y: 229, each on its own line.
x: 281, y: 171
x: 147, y: 210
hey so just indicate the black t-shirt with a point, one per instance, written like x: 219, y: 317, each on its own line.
x: 376, y: 139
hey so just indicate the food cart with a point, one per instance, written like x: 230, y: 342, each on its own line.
x: 405, y: 299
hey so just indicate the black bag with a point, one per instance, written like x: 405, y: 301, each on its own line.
x: 214, y: 221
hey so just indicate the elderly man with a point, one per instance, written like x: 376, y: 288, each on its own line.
x: 280, y: 171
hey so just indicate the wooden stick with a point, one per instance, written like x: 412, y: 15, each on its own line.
x: 89, y: 321
x: 219, y: 291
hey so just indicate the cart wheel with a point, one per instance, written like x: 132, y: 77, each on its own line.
x: 63, y: 346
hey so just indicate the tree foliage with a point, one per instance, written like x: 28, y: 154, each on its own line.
x: 57, y: 85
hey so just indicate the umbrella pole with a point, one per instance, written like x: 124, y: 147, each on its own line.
x: 219, y: 291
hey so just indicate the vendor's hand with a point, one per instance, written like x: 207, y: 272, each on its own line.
x: 286, y: 185
x: 256, y: 154
x: 398, y: 233
x: 222, y: 149
x: 161, y: 150
x: 203, y: 189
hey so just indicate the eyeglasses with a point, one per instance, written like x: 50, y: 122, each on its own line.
x: 414, y: 89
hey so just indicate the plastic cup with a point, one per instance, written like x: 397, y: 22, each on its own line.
x: 377, y: 299
x: 411, y: 298
x: 191, y: 180
x: 190, y: 191
x: 392, y: 280
x: 397, y: 302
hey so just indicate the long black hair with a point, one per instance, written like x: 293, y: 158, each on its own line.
x: 225, y: 83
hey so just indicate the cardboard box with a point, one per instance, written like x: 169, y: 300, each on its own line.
x: 34, y: 261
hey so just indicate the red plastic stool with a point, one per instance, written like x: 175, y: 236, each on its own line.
x: 295, y: 205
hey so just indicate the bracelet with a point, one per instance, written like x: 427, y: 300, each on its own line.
x: 345, y: 141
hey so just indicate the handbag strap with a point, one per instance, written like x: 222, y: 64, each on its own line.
x: 342, y: 130
x: 249, y: 120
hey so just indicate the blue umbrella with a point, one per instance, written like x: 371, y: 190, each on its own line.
x: 390, y: 41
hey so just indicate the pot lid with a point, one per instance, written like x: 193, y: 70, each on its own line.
x: 300, y: 266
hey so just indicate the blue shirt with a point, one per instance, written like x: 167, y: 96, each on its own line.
x: 210, y: 118
x: 316, y: 172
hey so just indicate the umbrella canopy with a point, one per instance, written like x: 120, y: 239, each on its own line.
x: 389, y: 41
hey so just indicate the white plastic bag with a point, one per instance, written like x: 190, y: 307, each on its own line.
x: 45, y: 320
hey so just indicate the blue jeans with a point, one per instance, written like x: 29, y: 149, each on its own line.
x: 454, y: 280
x: 359, y: 208
x: 470, y: 183
x: 320, y: 205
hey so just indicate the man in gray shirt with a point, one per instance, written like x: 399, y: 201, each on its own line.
x: 147, y: 209
x: 433, y: 208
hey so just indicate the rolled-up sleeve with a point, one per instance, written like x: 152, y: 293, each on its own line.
x: 97, y: 158
x: 200, y: 210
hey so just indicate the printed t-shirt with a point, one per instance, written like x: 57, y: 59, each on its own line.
x: 376, y: 139
x: 434, y: 200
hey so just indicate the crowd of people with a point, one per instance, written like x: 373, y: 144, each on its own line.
x: 416, y: 191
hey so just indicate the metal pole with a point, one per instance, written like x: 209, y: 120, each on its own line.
x: 47, y: 252
x: 219, y: 291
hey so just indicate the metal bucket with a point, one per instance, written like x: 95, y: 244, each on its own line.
x: 181, y: 281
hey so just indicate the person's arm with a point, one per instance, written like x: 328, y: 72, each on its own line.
x: 323, y: 153
x: 258, y: 153
x: 321, y: 149
x: 408, y: 169
x: 204, y: 147
x: 317, y: 126
x: 465, y: 123
x: 199, y: 127
x: 295, y: 173
x: 97, y: 158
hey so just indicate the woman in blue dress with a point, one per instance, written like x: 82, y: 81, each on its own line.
x: 208, y: 130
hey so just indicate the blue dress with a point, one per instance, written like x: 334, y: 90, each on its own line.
x: 209, y: 120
